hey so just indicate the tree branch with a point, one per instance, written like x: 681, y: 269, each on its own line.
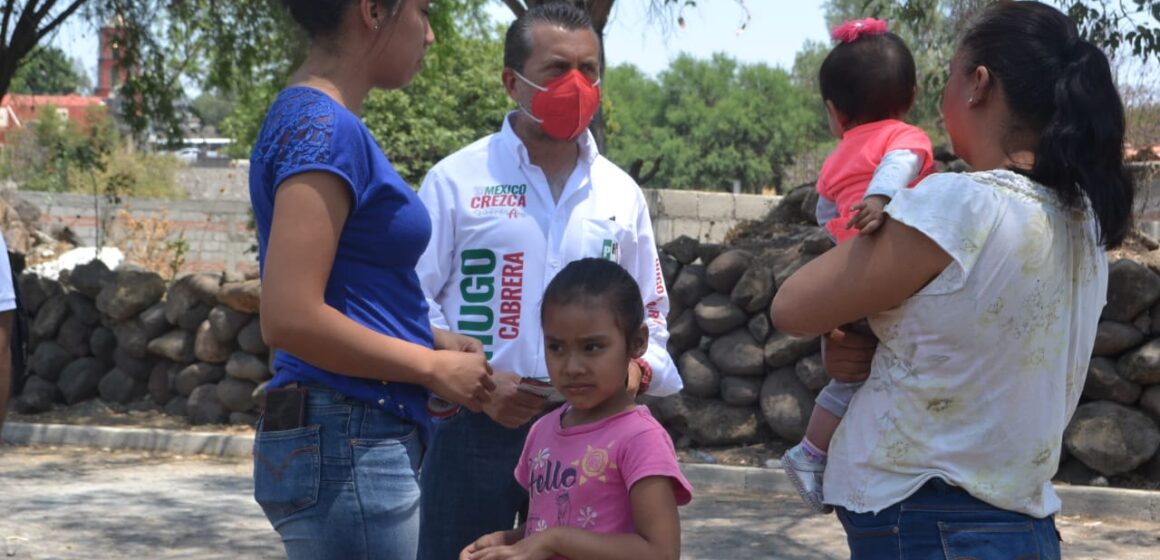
x: 59, y: 19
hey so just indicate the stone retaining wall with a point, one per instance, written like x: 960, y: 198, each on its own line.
x: 193, y: 349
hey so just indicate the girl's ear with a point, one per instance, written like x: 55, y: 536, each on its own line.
x: 638, y: 342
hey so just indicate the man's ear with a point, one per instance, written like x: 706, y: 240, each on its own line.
x: 509, y: 79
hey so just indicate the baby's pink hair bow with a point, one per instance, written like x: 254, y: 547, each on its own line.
x: 852, y: 30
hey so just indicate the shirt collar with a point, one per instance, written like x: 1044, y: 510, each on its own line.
x: 588, y: 150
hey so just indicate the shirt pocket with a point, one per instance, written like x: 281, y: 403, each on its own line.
x: 603, y: 239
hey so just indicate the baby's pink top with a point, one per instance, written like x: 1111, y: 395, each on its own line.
x: 581, y: 476
x: 847, y: 172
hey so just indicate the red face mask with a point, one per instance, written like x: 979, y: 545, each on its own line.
x: 565, y: 105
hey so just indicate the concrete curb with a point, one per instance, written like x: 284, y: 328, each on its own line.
x: 1088, y: 501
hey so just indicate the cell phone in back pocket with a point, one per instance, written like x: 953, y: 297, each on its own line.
x: 285, y: 409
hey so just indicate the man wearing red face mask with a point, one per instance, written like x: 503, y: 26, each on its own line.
x: 509, y: 211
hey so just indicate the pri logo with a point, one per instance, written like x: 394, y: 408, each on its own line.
x: 610, y: 251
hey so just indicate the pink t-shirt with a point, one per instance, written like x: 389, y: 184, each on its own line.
x: 847, y: 171
x: 581, y: 476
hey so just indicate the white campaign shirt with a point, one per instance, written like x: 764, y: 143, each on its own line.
x: 977, y: 374
x: 499, y: 238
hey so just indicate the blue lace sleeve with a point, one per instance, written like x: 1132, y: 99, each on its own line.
x: 299, y: 136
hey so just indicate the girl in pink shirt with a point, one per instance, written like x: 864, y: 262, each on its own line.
x: 868, y: 84
x: 601, y: 472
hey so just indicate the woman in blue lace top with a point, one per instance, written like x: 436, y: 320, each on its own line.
x: 345, y: 422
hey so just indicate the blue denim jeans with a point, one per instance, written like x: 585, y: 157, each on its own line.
x: 944, y: 522
x: 345, y: 485
x: 469, y: 485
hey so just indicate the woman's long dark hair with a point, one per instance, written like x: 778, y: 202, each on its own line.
x: 1060, y: 87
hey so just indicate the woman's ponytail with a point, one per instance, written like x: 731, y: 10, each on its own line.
x: 1081, y: 147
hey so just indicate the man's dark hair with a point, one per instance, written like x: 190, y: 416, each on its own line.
x: 517, y: 46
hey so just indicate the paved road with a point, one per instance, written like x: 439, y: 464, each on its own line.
x: 85, y: 503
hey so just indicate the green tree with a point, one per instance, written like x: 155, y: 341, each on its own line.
x: 211, y: 108
x: 48, y: 71
x: 715, y: 122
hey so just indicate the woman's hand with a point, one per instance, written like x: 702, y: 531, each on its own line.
x: 462, y: 378
x: 447, y: 340
x: 846, y: 356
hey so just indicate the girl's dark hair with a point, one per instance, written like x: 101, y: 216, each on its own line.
x: 1059, y: 87
x: 517, y: 45
x: 869, y: 79
x: 322, y: 18
x: 589, y: 279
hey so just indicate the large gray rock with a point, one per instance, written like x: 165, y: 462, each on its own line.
x: 782, y: 350
x: 49, y: 360
x: 193, y: 317
x: 225, y: 323
x: 102, y: 343
x: 723, y: 272
x: 817, y: 243
x: 208, y: 348
x: 248, y: 367
x: 245, y: 296
x: 1104, y: 383
x: 709, y: 421
x: 706, y: 252
x: 153, y: 321
x: 37, y: 396
x: 684, y: 333
x: 120, y: 387
x: 90, y: 278
x: 130, y: 293
x: 1114, y: 338
x: 250, y: 338
x: 1132, y: 288
x: 203, y: 407
x: 162, y: 378
x: 786, y: 404
x: 132, y: 338
x: 716, y: 314
x: 690, y: 286
x: 754, y: 290
x: 741, y: 391
x: 811, y: 373
x: 1142, y: 365
x: 188, y: 291
x: 74, y: 336
x: 683, y: 248
x: 83, y: 309
x: 51, y: 316
x: 701, y: 377
x: 79, y: 380
x: 35, y: 290
x: 137, y: 368
x: 176, y: 345
x: 738, y: 354
x: 670, y: 267
x: 236, y: 394
x: 196, y: 375
x: 1150, y: 402
x: 1111, y: 438
x: 759, y: 327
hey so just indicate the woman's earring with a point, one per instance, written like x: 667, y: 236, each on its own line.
x: 970, y: 100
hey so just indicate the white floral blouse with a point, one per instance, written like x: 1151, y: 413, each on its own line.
x: 977, y: 374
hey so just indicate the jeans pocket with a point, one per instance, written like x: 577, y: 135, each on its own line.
x: 870, y: 536
x: 989, y: 540
x: 287, y: 470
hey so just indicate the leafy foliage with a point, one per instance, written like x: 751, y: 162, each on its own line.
x: 48, y: 71
x: 713, y: 121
